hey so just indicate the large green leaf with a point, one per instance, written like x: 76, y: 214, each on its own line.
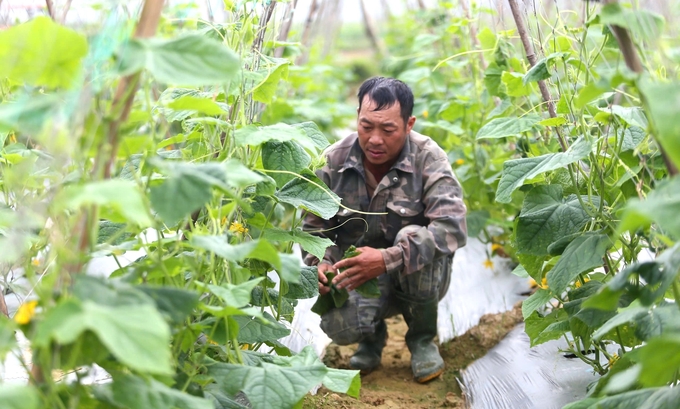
x: 664, y: 398
x: 508, y: 126
x: 661, y: 100
x: 258, y: 249
x: 42, y: 53
x: 311, y: 195
x: 311, y: 244
x: 314, y: 133
x: 7, y: 339
x: 189, y: 60
x: 283, y: 383
x: 535, y: 301
x: 268, y: 78
x: 308, y: 286
x: 188, y: 186
x: 643, y: 24
x: 19, y: 397
x: 29, y: 114
x: 285, y: 156
x: 136, y: 335
x: 581, y: 255
x: 121, y: 200
x: 255, y: 136
x: 516, y: 171
x: 343, y: 381
x: 235, y: 295
x: 546, y: 217
x: 540, y: 70
x: 661, y: 206
x: 660, y: 360
x: 134, y: 392
x: 253, y: 330
x: 196, y: 104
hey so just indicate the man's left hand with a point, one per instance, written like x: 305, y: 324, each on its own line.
x: 359, y: 269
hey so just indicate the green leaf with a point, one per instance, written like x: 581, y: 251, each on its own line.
x: 112, y: 233
x: 269, y: 78
x: 29, y: 115
x: 191, y: 103
x: 633, y: 116
x: 121, y: 200
x: 136, y: 335
x: 581, y: 255
x: 175, y: 303
x: 476, y: 221
x: 311, y: 244
x: 546, y: 217
x: 661, y: 100
x: 632, y: 137
x: 588, y: 93
x: 270, y: 386
x: 42, y: 53
x: 664, y: 398
x: 134, y: 392
x: 19, y: 397
x: 508, y: 126
x: 535, y: 324
x: 660, y: 360
x: 516, y: 171
x: 627, y: 400
x: 253, y: 330
x: 308, y: 286
x: 661, y: 206
x: 314, y: 133
x: 343, y: 381
x: 7, y: 339
x: 643, y: 24
x: 255, y: 136
x: 557, y: 121
x: 582, y: 404
x: 514, y: 86
x: 625, y: 315
x: 235, y: 295
x: 535, y: 301
x: 257, y: 249
x: 284, y: 156
x: 189, y: 60
x: 369, y: 289
x: 315, y: 197
x: 189, y: 186
x: 540, y: 70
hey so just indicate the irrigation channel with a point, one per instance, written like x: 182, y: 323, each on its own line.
x: 510, y: 375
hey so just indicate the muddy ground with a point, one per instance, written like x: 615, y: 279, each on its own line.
x: 391, y: 386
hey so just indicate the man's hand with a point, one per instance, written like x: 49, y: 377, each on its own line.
x: 359, y: 269
x: 324, y: 287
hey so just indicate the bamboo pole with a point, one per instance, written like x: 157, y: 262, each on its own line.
x: 371, y: 31
x: 633, y: 62
x: 50, y: 9
x: 285, y: 28
x: 531, y: 56
x: 307, y: 31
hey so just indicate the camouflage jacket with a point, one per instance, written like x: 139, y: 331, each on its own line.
x: 420, y: 189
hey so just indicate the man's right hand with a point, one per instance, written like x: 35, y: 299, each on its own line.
x: 324, y: 287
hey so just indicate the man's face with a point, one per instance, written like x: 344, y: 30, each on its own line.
x: 382, y: 134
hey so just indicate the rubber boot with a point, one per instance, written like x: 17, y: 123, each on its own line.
x: 420, y: 315
x: 369, y: 353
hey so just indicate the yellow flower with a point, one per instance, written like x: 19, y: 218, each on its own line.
x: 544, y: 283
x: 533, y: 283
x: 578, y: 284
x: 613, y: 360
x: 245, y: 347
x: 237, y: 227
x: 496, y: 247
x: 13, y: 138
x: 425, y: 114
x: 35, y: 262
x: 25, y: 312
x: 460, y: 161
x: 488, y: 263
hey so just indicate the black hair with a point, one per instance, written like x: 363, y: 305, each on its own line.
x: 385, y: 92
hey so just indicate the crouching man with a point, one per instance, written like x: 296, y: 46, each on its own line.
x: 403, y: 209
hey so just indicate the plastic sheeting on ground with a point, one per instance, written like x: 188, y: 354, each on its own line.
x: 512, y: 375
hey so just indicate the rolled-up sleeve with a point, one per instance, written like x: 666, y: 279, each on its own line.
x: 417, y: 246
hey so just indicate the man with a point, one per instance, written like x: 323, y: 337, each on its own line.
x: 403, y: 209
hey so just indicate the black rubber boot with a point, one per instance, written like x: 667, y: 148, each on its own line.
x: 369, y: 353
x: 421, y: 317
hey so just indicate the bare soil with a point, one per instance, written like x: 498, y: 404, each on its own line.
x: 392, y: 386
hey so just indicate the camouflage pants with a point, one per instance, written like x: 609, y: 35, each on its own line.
x: 359, y: 316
